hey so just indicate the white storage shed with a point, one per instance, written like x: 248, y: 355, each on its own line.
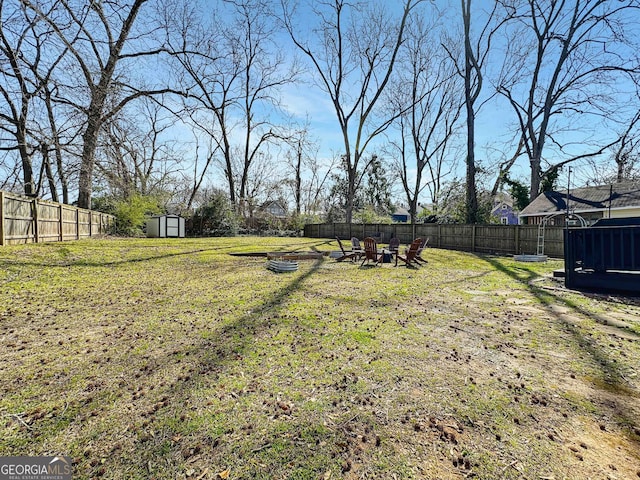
x: 165, y: 226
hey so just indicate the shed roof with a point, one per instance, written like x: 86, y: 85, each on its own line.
x: 601, y: 197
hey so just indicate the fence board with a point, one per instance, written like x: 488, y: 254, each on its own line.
x: 29, y: 220
x: 48, y: 222
x: 69, y: 223
x: 498, y: 239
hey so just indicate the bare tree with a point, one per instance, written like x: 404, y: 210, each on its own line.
x: 477, y: 39
x: 22, y: 59
x: 261, y: 181
x: 316, y: 187
x: 134, y: 156
x: 301, y: 148
x: 428, y: 92
x: 353, y: 57
x: 264, y: 72
x: 207, y: 68
x: 204, y: 155
x: 16, y: 111
x: 232, y: 73
x: 564, y: 67
x: 504, y: 167
x: 99, y: 37
x: 625, y: 156
x: 472, y: 87
x: 59, y: 133
x: 9, y: 172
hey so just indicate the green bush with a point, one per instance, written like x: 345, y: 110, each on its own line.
x: 131, y: 213
x: 216, y: 218
x: 370, y: 215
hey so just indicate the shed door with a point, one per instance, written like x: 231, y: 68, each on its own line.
x: 173, y: 227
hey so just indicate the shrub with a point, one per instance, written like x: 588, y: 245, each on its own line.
x: 371, y: 216
x: 216, y: 218
x: 131, y: 213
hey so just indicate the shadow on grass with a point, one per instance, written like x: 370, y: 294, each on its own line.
x: 220, y: 348
x: 612, y: 374
x: 87, y: 262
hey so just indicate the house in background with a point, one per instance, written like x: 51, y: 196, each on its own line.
x: 619, y: 200
x: 503, y: 210
x: 400, y: 215
x: 274, y: 209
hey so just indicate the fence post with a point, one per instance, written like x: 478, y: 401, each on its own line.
x: 60, y: 224
x: 77, y: 224
x: 517, y: 240
x: 1, y: 218
x: 34, y: 214
x: 473, y: 237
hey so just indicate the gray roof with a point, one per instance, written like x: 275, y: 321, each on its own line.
x: 618, y: 195
x: 401, y: 211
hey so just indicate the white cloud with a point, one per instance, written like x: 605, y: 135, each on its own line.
x: 302, y: 101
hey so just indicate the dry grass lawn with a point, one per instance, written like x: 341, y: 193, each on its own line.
x: 173, y: 359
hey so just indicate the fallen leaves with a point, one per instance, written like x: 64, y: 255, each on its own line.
x: 224, y: 475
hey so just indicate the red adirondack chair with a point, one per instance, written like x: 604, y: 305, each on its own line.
x: 409, y: 257
x: 353, y: 255
x: 371, y: 253
x: 423, y: 245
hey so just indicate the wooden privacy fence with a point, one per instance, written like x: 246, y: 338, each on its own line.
x: 29, y: 220
x: 499, y: 239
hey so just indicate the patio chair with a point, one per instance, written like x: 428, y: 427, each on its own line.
x: 371, y: 252
x: 409, y: 257
x: 394, y: 246
x: 423, y: 245
x: 353, y: 255
x: 355, y: 245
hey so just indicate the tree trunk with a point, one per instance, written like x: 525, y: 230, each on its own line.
x: 46, y: 162
x: 620, y: 174
x: 25, y: 157
x: 471, y: 210
x: 298, y: 186
x: 471, y: 215
x: 351, y: 186
x: 90, y: 143
x: 27, y: 171
x: 228, y: 168
x: 95, y: 114
x: 62, y: 178
x: 536, y: 172
x: 413, y: 209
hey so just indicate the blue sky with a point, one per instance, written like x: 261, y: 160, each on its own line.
x: 309, y: 101
x: 494, y: 123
